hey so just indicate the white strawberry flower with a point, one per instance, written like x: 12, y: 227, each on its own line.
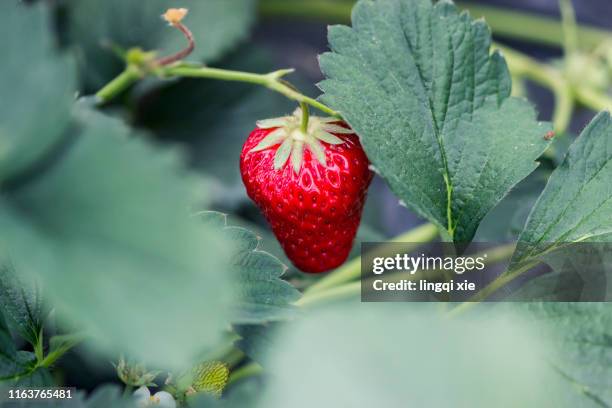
x: 160, y: 399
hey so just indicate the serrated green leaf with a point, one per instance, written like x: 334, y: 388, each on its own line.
x: 263, y: 295
x: 19, y: 369
x: 108, y: 231
x: 8, y: 352
x: 95, y: 25
x: 576, y: 204
x: 35, y: 378
x: 431, y: 105
x: 37, y: 88
x: 21, y: 302
x: 16, y: 367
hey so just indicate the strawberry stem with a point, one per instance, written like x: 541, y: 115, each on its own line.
x: 172, y: 66
x: 122, y: 82
x: 305, y: 117
x: 341, y: 284
x: 183, y: 53
x: 493, y: 287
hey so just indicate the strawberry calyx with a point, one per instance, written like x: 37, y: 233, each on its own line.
x: 293, y: 140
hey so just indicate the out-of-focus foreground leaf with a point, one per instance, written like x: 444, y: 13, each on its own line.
x: 106, y: 396
x: 107, y: 229
x: 581, y: 348
x: 96, y: 25
x: 400, y: 355
x: 36, y: 88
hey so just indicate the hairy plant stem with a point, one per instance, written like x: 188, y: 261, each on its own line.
x: 341, y: 284
x: 532, y: 27
x: 128, y: 391
x: 123, y: 81
x: 183, y: 53
x: 245, y: 371
x: 566, y: 93
x: 272, y: 81
x: 39, y: 350
x: 493, y: 287
x: 305, y: 117
x: 569, y: 27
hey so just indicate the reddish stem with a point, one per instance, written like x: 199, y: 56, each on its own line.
x: 181, y: 54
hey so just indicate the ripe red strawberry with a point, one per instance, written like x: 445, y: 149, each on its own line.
x: 310, y: 187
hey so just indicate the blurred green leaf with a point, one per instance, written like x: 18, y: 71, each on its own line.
x: 581, y: 348
x: 257, y: 341
x: 21, y: 301
x: 107, y: 396
x: 432, y: 106
x: 107, y: 229
x: 96, y: 26
x: 408, y: 355
x: 581, y: 272
x: 245, y: 394
x: 262, y: 295
x: 576, y: 204
x: 37, y: 87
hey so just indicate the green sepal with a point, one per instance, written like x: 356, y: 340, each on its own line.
x: 297, y: 156
x: 317, y: 149
x: 293, y: 140
x: 282, y: 154
x: 275, y: 137
x: 328, y: 138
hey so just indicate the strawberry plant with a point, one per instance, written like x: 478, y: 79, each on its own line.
x: 171, y: 235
